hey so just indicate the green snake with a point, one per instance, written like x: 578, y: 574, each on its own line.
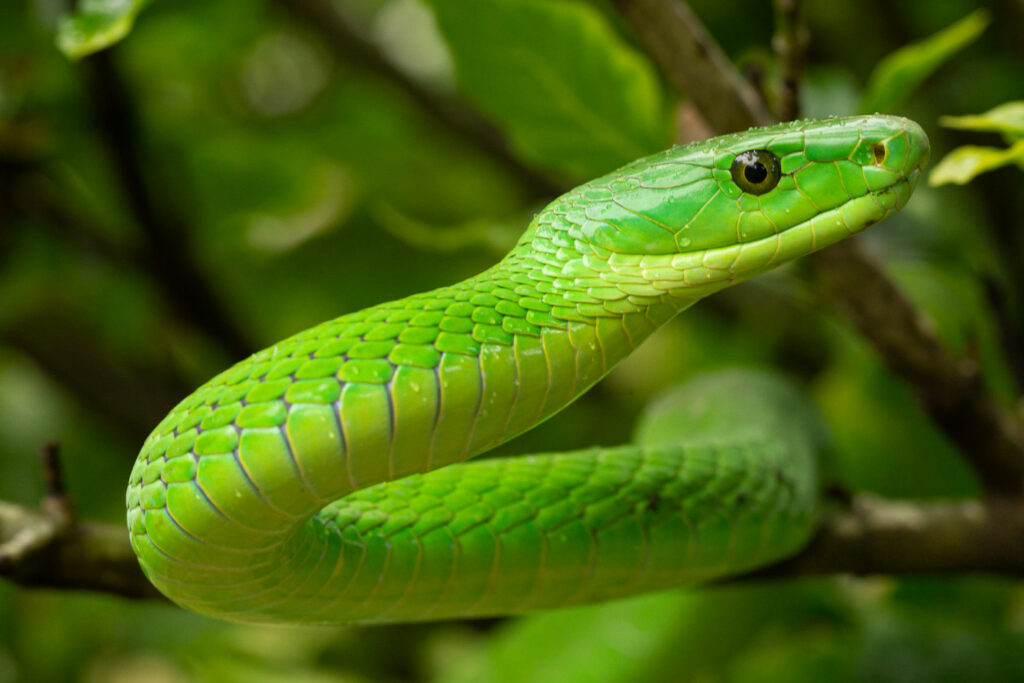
x: 320, y: 480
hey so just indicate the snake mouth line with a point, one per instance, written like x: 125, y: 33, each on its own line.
x: 697, y: 274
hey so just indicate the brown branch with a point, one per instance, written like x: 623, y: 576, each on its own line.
x: 886, y: 537
x: 951, y: 391
x: 167, y: 253
x: 874, y: 537
x: 38, y: 551
x: 50, y: 548
x: 988, y: 435
x: 452, y: 115
x: 694, y: 64
x: 790, y: 44
x: 56, y: 502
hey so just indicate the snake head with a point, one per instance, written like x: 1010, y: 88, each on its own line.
x: 705, y: 215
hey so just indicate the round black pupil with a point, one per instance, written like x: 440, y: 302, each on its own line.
x: 755, y: 172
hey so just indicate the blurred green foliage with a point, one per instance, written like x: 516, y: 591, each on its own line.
x: 95, y: 24
x: 965, y: 163
x: 310, y: 186
x: 901, y: 72
x: 588, y: 106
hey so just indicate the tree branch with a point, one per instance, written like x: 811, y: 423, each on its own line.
x: 694, y: 64
x: 351, y: 47
x: 49, y: 548
x: 988, y: 435
x: 878, y: 536
x: 790, y: 44
x: 951, y: 391
x: 874, y: 537
x: 37, y: 551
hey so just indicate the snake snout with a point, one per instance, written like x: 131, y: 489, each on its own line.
x: 919, y: 149
x: 902, y: 147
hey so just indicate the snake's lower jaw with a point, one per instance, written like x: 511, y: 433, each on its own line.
x: 896, y: 196
x: 743, y: 261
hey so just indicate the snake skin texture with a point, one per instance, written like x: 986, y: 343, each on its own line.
x: 289, y: 488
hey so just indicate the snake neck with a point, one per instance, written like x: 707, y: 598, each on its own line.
x: 583, y: 282
x: 235, y: 474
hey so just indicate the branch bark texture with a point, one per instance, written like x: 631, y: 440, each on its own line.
x: 36, y: 550
x: 881, y: 536
x: 694, y: 64
x: 874, y: 537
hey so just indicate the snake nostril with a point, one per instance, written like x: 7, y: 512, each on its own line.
x: 879, y: 151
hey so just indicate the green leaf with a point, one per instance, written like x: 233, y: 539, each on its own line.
x: 1007, y: 119
x: 901, y: 72
x: 965, y: 163
x: 95, y: 25
x: 570, y: 94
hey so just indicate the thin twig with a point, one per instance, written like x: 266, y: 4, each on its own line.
x: 56, y: 502
x: 1001, y: 208
x: 1011, y: 332
x: 351, y: 47
x: 790, y: 44
x: 26, y: 190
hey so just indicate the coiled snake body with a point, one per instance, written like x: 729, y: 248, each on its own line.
x: 287, y: 487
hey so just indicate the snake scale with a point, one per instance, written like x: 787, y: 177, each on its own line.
x: 320, y: 480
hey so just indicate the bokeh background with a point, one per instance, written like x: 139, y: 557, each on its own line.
x: 230, y: 173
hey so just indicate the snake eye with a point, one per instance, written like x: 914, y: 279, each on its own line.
x: 756, y: 171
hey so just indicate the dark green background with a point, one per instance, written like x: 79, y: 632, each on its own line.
x: 309, y: 186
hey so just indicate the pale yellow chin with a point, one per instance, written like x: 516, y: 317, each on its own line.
x: 701, y: 273
x: 641, y: 279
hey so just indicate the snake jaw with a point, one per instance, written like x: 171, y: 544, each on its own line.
x: 827, y: 193
x: 694, y: 275
x: 686, y: 200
